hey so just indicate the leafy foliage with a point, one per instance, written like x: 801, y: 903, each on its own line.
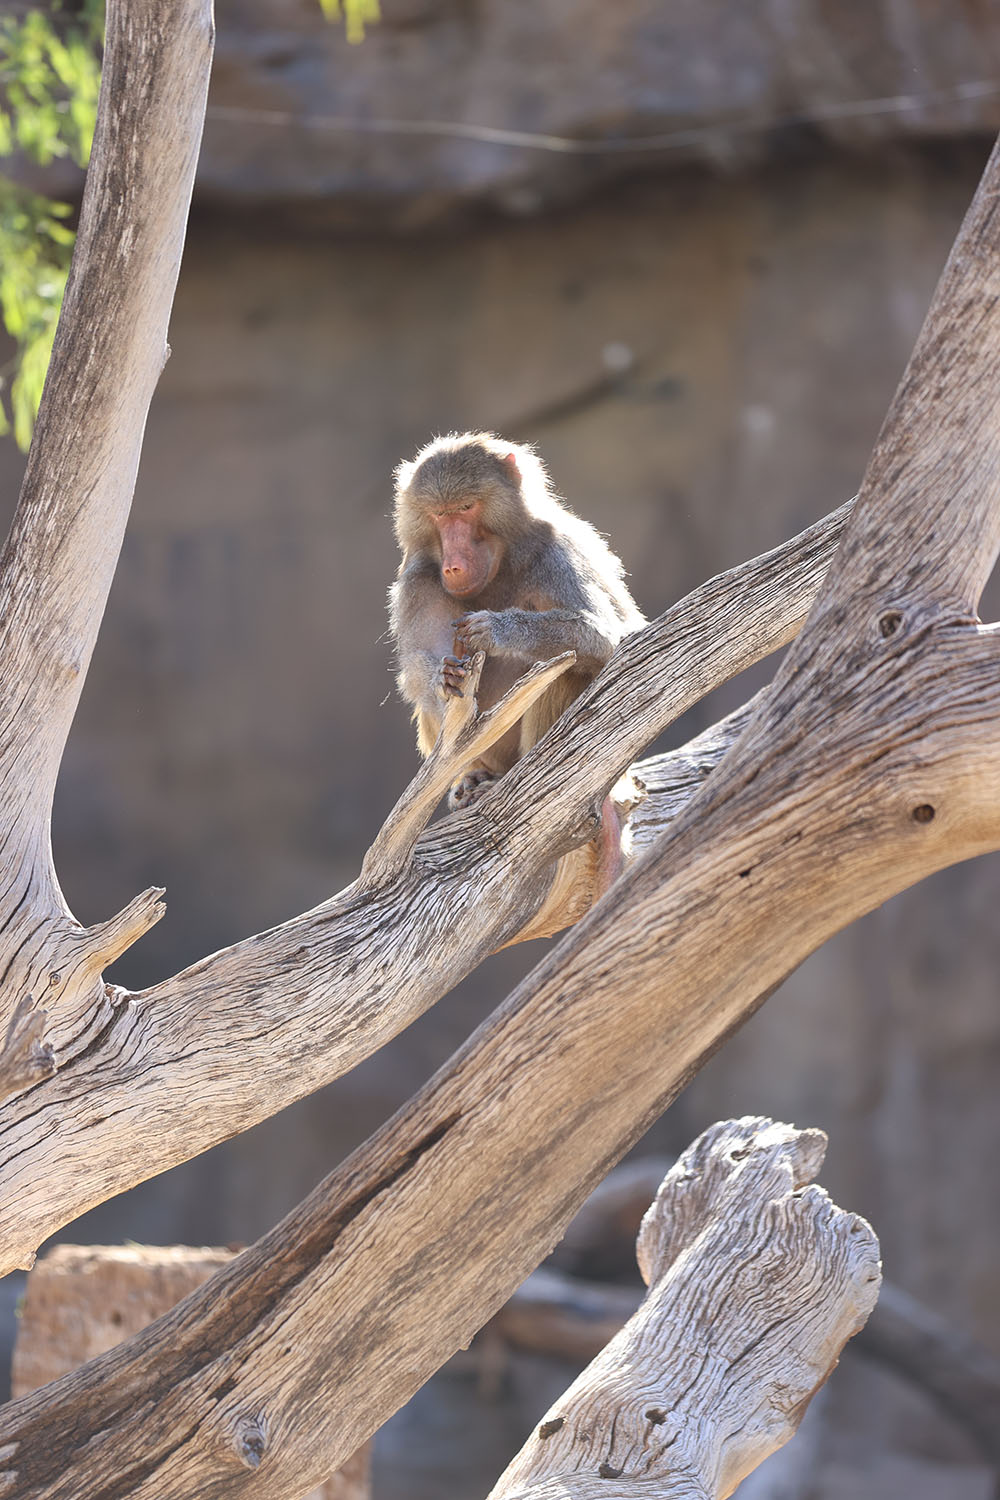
x: 49, y: 78
x: 50, y: 74
x: 35, y: 249
x: 357, y: 14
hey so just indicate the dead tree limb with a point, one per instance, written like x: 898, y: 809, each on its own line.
x: 755, y: 1283
x: 569, y: 1318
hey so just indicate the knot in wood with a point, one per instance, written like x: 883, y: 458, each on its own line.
x: 250, y: 1440
x: 924, y: 813
x: 890, y: 622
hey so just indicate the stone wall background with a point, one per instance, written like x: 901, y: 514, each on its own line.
x: 238, y: 740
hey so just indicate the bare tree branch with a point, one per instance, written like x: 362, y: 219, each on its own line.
x: 60, y: 556
x: 555, y: 1314
x: 109, y: 350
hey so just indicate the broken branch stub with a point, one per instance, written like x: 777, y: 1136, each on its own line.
x: 756, y: 1281
x: 26, y: 1056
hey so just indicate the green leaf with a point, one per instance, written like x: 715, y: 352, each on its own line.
x: 50, y: 74
x: 356, y: 14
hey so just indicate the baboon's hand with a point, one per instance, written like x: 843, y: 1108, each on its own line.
x: 452, y: 675
x: 476, y: 631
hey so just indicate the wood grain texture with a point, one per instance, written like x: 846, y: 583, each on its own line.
x: 755, y: 1283
x: 83, y: 1299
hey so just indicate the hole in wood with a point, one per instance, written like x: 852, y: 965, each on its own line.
x: 924, y: 813
x: 890, y: 622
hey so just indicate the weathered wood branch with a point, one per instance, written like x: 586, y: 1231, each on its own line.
x: 756, y: 1281
x: 569, y: 1318
x: 80, y: 1300
x: 279, y: 1014
x: 59, y: 559
x: 26, y: 1057
x: 873, y: 760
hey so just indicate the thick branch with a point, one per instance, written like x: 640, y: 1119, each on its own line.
x: 756, y: 1281
x: 928, y: 522
x: 564, y: 1316
x: 284, y: 1012
x: 109, y: 350
x: 60, y: 557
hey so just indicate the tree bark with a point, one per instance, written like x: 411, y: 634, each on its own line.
x: 81, y: 1300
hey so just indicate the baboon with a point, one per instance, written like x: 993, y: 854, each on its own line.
x: 494, y: 561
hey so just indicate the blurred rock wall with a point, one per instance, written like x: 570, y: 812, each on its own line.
x: 704, y: 359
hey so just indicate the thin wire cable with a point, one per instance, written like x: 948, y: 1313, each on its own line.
x: 492, y: 135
